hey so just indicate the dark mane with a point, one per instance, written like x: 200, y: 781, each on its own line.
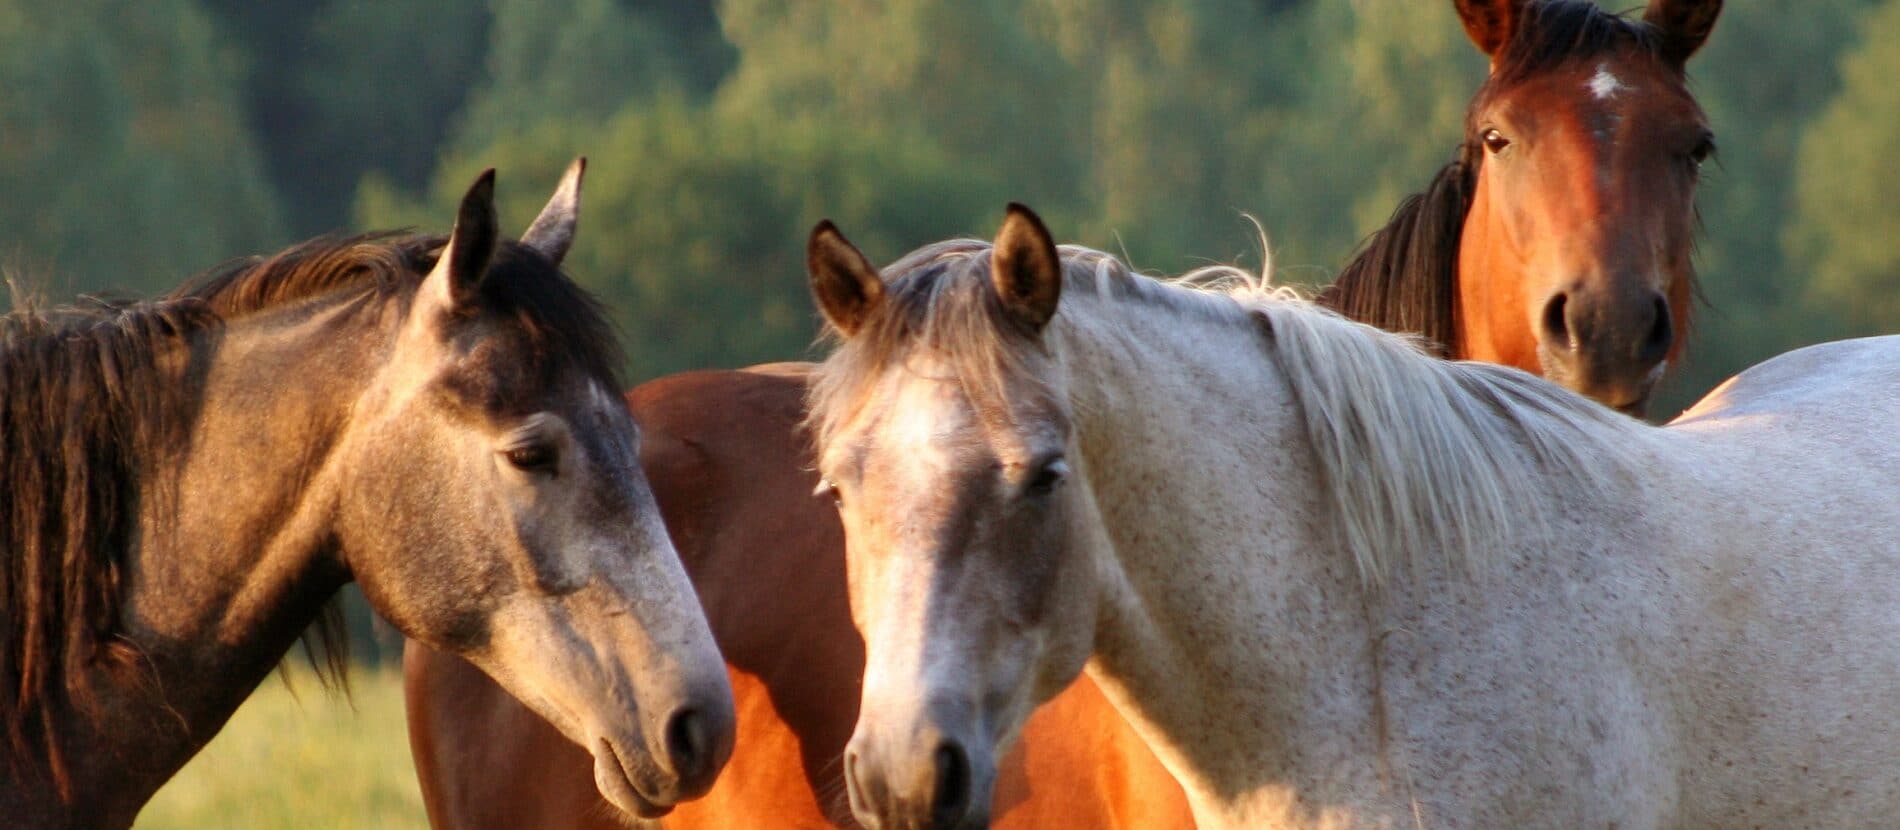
x: 85, y: 407
x: 564, y: 323
x: 1405, y: 276
x: 97, y: 400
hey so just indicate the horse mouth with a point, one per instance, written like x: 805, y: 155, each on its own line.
x: 619, y: 786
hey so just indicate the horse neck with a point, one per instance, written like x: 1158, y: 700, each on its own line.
x: 1209, y: 605
x: 223, y: 578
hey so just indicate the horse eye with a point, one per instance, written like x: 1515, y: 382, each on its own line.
x: 827, y: 490
x: 1495, y: 141
x: 1048, y: 478
x: 532, y: 458
x: 1702, y: 152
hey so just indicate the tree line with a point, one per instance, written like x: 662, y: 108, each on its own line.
x: 145, y: 141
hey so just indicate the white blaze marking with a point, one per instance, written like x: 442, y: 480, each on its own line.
x: 1603, y: 84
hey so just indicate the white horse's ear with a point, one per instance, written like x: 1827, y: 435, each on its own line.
x: 1491, y: 23
x: 1683, y: 24
x: 843, y: 282
x: 457, y: 276
x: 553, y: 231
x: 1025, y: 269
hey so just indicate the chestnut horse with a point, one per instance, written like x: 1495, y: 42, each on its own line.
x: 189, y: 481
x: 728, y: 462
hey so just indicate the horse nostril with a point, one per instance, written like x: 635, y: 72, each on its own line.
x: 952, y: 799
x: 690, y: 746
x: 1655, y: 345
x: 1557, y: 323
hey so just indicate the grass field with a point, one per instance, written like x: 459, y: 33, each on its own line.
x: 302, y: 760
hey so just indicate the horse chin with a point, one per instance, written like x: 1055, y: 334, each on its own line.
x: 617, y: 784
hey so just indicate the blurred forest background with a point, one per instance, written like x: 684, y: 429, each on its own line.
x: 141, y: 142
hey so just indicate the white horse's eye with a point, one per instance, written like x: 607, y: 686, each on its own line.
x: 1051, y: 476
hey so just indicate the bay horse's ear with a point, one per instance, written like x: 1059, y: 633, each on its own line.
x: 553, y: 231
x: 843, y: 282
x: 1025, y: 269
x: 1491, y: 23
x: 1683, y: 24
x: 458, y: 274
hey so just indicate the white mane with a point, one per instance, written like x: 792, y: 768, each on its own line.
x: 1419, y: 455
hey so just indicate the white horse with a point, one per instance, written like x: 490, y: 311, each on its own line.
x: 1338, y: 583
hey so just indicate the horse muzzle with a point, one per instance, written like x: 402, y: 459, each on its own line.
x: 929, y: 780
x: 1609, y: 348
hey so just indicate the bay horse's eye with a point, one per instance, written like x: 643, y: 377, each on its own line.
x: 533, y: 458
x: 1494, y: 141
x: 827, y: 490
x: 1047, y: 479
x: 1703, y: 150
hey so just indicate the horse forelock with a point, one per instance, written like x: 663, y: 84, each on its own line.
x: 1555, y: 33
x: 1417, y: 455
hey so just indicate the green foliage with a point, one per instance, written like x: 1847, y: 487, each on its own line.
x: 141, y: 142
x: 694, y: 221
x: 1847, y: 206
x: 342, y: 88
x: 1138, y: 128
x: 1378, y: 105
x: 126, y: 159
x: 572, y: 60
x: 295, y: 756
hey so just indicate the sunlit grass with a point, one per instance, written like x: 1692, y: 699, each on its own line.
x: 309, y: 759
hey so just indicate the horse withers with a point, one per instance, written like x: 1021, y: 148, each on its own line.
x: 189, y: 481
x: 1336, y: 582
x: 1560, y: 240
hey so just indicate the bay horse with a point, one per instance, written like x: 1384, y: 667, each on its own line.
x: 728, y: 459
x: 189, y: 481
x: 1335, y: 581
x: 1560, y: 239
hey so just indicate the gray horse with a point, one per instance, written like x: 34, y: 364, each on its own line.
x: 189, y: 481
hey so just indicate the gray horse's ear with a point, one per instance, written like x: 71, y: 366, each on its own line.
x: 457, y: 277
x: 1683, y: 24
x: 553, y: 231
x: 1491, y: 23
x: 843, y: 282
x: 1025, y: 269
